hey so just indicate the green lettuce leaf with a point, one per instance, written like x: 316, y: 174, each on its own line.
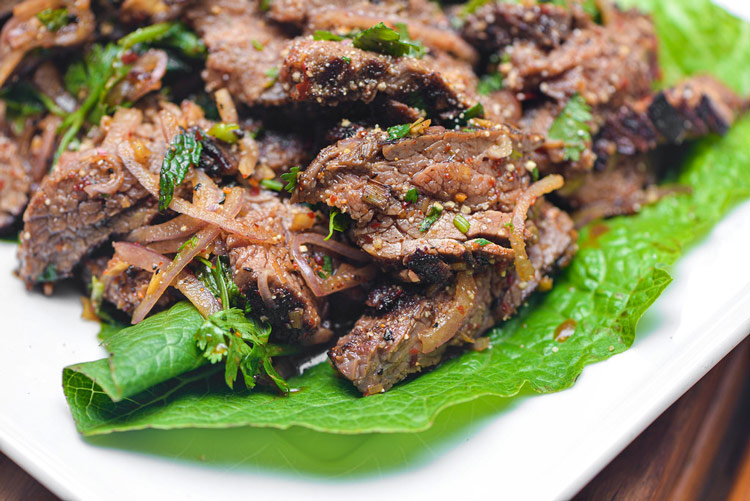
x: 621, y: 269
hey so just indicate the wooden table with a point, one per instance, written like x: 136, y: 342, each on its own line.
x: 698, y: 449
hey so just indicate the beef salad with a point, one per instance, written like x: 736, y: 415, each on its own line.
x: 381, y: 181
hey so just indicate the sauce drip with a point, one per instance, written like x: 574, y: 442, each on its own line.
x: 565, y: 330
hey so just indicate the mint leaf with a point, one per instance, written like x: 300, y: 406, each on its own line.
x: 572, y: 127
x: 184, y: 153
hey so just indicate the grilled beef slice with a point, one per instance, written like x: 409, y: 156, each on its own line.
x: 15, y: 182
x: 397, y: 336
x: 330, y: 73
x: 473, y: 174
x: 244, y: 50
x: 496, y: 25
x: 67, y: 217
x: 294, y: 312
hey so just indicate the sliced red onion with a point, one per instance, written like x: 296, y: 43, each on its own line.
x: 186, y: 282
x: 524, y: 202
x: 204, y: 237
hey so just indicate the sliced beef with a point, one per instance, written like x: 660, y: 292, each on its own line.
x: 694, y: 108
x: 473, y: 174
x: 605, y: 64
x: 280, y: 151
x: 15, y: 183
x: 124, y: 288
x: 244, y: 50
x: 418, y: 327
x: 496, y: 25
x: 423, y: 21
x: 88, y: 198
x: 292, y: 309
x: 334, y: 72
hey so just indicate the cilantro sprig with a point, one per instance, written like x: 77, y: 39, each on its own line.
x: 231, y: 336
x: 291, y: 179
x: 336, y: 222
x: 572, y: 127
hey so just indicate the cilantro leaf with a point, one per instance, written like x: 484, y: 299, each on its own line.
x: 184, y: 153
x: 290, y: 178
x: 436, y: 210
x: 572, y: 128
x: 54, y: 19
x: 475, y: 111
x: 384, y: 40
x: 241, y: 341
x: 411, y: 196
x: 336, y: 222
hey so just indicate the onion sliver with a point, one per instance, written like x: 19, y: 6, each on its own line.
x: 332, y: 284
x: 191, y: 287
x: 523, y: 265
x: 204, y: 237
x: 180, y: 227
x: 450, y: 322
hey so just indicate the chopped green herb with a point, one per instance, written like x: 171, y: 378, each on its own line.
x: 257, y: 45
x: 91, y: 79
x: 326, y: 35
x: 432, y: 215
x: 290, y: 178
x: 482, y: 242
x: 145, y: 34
x: 535, y: 173
x: 489, y: 83
x: 384, y: 40
x: 190, y: 243
x: 572, y: 127
x: 510, y: 226
x: 272, y: 184
x: 218, y: 279
x: 403, y: 33
x: 48, y: 274
x: 273, y: 74
x: 224, y: 132
x: 398, y: 131
x: 475, y: 111
x: 336, y: 222
x: 411, y: 196
x: 265, y: 5
x: 184, y: 153
x: 347, y: 60
x: 328, y: 265
x: 54, y: 19
x: 461, y: 223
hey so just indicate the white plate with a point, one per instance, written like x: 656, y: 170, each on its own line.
x: 531, y: 447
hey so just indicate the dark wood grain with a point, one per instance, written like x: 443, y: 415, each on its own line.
x: 17, y: 485
x: 688, y: 453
